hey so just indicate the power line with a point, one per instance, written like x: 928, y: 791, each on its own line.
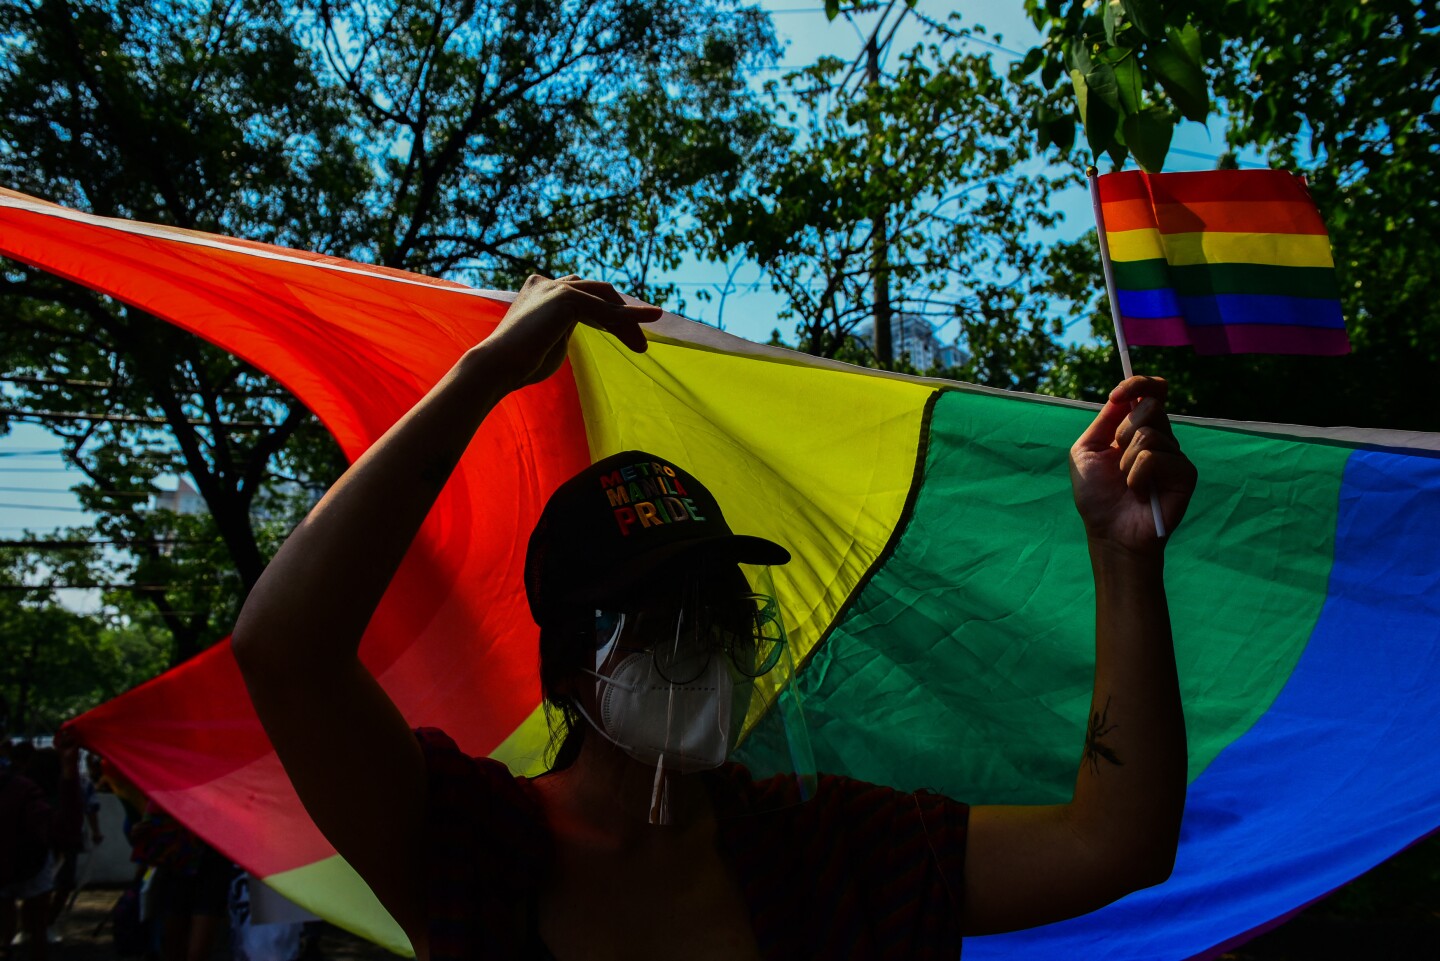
x: 60, y: 545
x: 52, y: 490
x: 60, y: 415
x: 969, y: 38
x: 56, y: 381
x: 1205, y: 156
x: 70, y: 382
x: 96, y: 585
x: 37, y: 470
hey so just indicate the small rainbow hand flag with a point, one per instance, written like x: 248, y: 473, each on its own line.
x: 1229, y: 261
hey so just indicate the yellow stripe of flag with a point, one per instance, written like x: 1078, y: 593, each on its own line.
x: 1181, y: 250
x: 830, y: 489
x: 736, y: 422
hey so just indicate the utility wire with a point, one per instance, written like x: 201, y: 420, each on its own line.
x: 70, y: 382
x: 52, y: 490
x: 61, y: 545
x: 36, y: 470
x: 60, y: 415
x: 98, y: 585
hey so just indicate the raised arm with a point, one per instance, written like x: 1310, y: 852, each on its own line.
x: 1027, y: 866
x: 345, y: 746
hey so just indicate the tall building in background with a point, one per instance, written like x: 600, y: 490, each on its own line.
x: 915, y: 337
x: 184, y: 499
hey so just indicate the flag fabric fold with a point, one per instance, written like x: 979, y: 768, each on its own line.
x: 1229, y: 261
x: 940, y: 597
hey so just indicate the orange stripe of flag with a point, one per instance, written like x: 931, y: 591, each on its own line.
x: 1248, y: 217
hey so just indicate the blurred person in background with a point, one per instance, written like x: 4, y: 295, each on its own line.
x: 189, y: 892
x: 35, y: 800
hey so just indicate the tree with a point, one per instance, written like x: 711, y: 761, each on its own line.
x: 55, y: 662
x: 915, y: 180
x: 1351, y: 93
x: 208, y: 122
x: 1123, y: 69
x: 1348, y: 93
x: 528, y: 136
x: 691, y: 137
x: 471, y: 140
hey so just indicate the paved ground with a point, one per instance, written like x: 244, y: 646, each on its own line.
x: 86, y: 936
x: 1320, y: 938
x: 1314, y: 935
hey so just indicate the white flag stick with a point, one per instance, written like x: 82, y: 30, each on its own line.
x: 1120, y: 343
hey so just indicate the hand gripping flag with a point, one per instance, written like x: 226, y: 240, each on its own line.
x: 940, y: 594
x: 1229, y: 261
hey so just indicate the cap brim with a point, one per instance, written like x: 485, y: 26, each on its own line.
x: 722, y: 549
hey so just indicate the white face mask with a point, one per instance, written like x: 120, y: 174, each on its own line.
x: 685, y: 726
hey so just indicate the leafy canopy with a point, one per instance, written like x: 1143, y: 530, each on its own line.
x: 480, y: 141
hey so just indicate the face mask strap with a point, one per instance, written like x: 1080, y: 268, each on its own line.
x: 659, y: 812
x: 606, y: 679
x: 602, y: 651
x: 660, y: 791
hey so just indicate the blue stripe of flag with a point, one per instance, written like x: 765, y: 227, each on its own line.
x: 1217, y: 309
x: 1272, y: 823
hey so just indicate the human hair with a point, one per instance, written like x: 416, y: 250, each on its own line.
x: 564, y: 647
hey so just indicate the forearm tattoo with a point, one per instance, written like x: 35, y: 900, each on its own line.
x: 1095, y: 748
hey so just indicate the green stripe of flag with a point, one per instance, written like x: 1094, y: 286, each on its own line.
x: 978, y: 632
x: 1199, y: 280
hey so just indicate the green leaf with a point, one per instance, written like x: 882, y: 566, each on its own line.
x: 1101, y: 81
x: 1146, y: 16
x: 1054, y: 128
x: 1117, y: 153
x: 1038, y: 14
x: 1182, y: 79
x: 1051, y: 72
x: 1147, y: 134
x: 1112, y: 16
x: 1062, y: 133
x: 1034, y: 59
x: 1042, y: 137
x: 1099, y: 118
x: 1188, y: 37
x: 1077, y: 55
x: 1082, y: 92
x: 1130, y: 84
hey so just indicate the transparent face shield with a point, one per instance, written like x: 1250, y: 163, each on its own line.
x: 690, y: 675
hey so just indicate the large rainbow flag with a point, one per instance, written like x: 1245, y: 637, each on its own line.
x: 940, y: 592
x: 1230, y: 261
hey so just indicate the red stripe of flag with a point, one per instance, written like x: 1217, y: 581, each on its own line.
x: 1204, y: 185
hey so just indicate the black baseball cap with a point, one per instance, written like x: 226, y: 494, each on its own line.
x: 623, y: 521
